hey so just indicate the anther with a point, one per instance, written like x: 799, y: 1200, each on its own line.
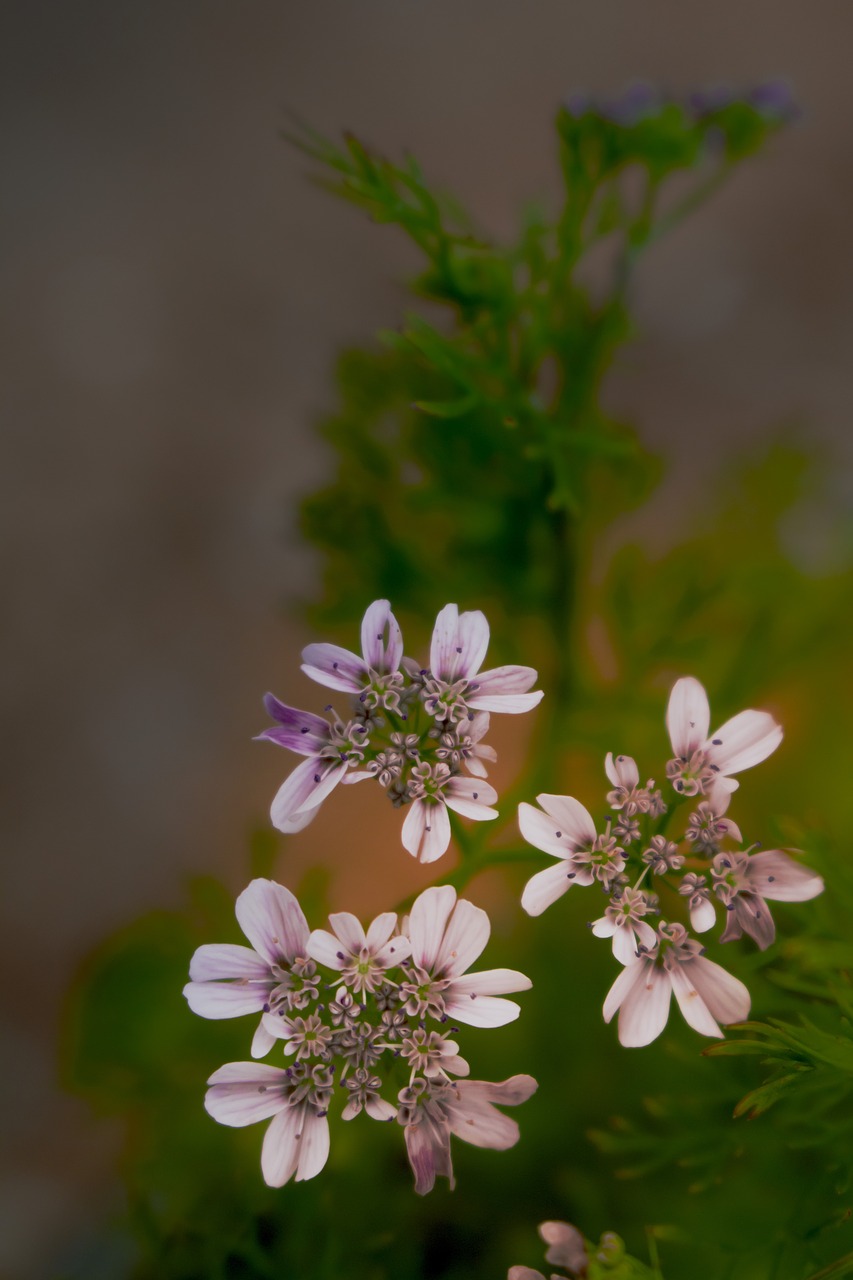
x: 717, y: 742
x: 304, y: 729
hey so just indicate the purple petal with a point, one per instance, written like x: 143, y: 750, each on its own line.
x: 273, y: 921
x: 226, y: 960
x: 464, y: 939
x: 334, y: 667
x: 428, y: 1149
x: 381, y: 652
x: 280, y: 1152
x: 743, y: 741
x: 427, y: 922
x: 296, y: 730
x: 688, y: 716
x: 572, y: 818
x: 546, y: 887
x: 304, y: 790
x: 776, y: 876
x: 695, y: 1011
x: 225, y: 999
x: 459, y: 644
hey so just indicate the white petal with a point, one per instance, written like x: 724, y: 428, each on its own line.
x: 225, y: 999
x: 464, y: 939
x: 693, y: 1007
x: 743, y: 741
x: 280, y: 1152
x: 226, y: 960
x: 622, y: 987
x: 645, y: 1009
x: 379, y: 1109
x: 381, y: 655
x: 326, y: 949
x: 776, y: 876
x: 348, y: 929
x: 546, y: 887
x: 380, y: 930
x: 571, y: 818
x: 726, y: 997
x: 427, y: 922
x: 624, y: 944
x: 436, y: 833
x: 273, y: 921
x: 262, y: 1041
x: 688, y: 716
x: 507, y: 704
x: 395, y: 951
x: 703, y: 916
x: 542, y: 831
x: 491, y: 982
x: 480, y: 1011
x: 459, y: 644
x: 242, y: 1093
x: 313, y: 1146
x: 604, y: 928
x: 471, y: 798
x: 621, y: 770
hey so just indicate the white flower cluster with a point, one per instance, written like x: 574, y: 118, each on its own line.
x: 702, y: 868
x: 355, y: 1010
x: 411, y: 728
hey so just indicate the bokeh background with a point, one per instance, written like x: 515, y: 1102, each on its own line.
x: 174, y: 292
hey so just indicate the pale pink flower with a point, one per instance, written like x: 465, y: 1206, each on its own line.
x: 623, y: 922
x: 705, y: 762
x: 742, y: 881
x: 297, y: 1141
x: 706, y: 993
x: 332, y: 750
x: 566, y: 1248
x: 455, y: 686
x: 707, y: 828
x: 447, y: 936
x: 432, y: 1110
x: 228, y: 980
x: 434, y: 790
x: 702, y: 914
x: 374, y: 677
x: 462, y: 745
x: 566, y: 831
x: 362, y: 958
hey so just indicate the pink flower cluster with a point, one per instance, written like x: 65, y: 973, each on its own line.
x: 413, y: 729
x: 358, y: 1012
x: 702, y: 867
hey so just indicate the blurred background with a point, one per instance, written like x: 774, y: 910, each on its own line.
x: 174, y: 293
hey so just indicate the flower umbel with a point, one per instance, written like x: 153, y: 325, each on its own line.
x: 371, y: 1040
x: 412, y: 729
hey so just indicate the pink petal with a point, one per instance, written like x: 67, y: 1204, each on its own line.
x: 703, y: 916
x: 428, y: 1149
x: 621, y: 770
x: 507, y: 1093
x: 691, y: 1004
x: 491, y: 982
x: 546, y: 887
x: 776, y: 876
x: 567, y: 1247
x: 313, y: 1146
x: 459, y: 644
x: 475, y: 765
x: 502, y: 686
x: 524, y: 1273
x: 688, y: 716
x: 427, y: 922
x: 381, y: 638
x: 509, y: 704
x: 334, y: 667
x: 542, y: 831
x: 726, y: 997
x: 624, y: 944
x: 743, y: 741
x: 394, y: 951
x: 305, y: 789
x: 464, y: 939
x: 571, y: 818
x: 225, y: 999
x: 280, y: 1152
x: 426, y: 831
x: 480, y: 1011
x: 226, y: 960
x: 381, y: 930
x: 471, y: 798
x: 273, y: 921
x: 262, y: 1041
x: 379, y: 1109
x: 476, y: 1121
x: 645, y: 1009
x: 630, y: 976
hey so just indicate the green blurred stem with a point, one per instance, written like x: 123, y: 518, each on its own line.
x: 841, y: 1267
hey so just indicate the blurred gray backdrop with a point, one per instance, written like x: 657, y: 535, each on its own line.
x: 174, y: 292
